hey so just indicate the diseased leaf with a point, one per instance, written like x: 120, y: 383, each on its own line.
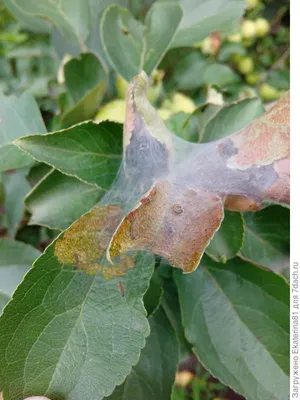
x: 88, y: 151
x: 18, y: 117
x: 190, y: 184
x: 228, y: 240
x: 153, y: 377
x: 171, y: 214
x: 267, y: 235
x: 58, y: 200
x: 16, y: 188
x: 201, y: 17
x: 101, y: 332
x: 15, y: 260
x: 86, y: 82
x: 237, y: 318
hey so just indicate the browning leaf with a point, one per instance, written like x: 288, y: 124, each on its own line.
x: 173, y: 221
x: 84, y: 244
x: 179, y: 215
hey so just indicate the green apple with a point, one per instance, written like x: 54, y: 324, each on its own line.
x: 245, y: 65
x: 115, y: 111
x: 235, y: 37
x: 121, y: 87
x: 248, y: 29
x: 206, y: 46
x: 252, y: 3
x: 253, y: 78
x: 262, y: 27
x: 179, y: 102
x: 164, y: 113
x: 269, y: 93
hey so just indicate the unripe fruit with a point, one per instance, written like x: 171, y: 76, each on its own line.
x: 248, y: 42
x: 164, y: 113
x: 206, y: 46
x: 248, y: 29
x: 154, y: 92
x: 121, y: 86
x: 262, y: 27
x: 235, y: 38
x: 252, y: 3
x: 114, y: 111
x: 245, y: 65
x: 253, y: 78
x: 268, y: 92
x: 235, y: 58
x: 180, y: 103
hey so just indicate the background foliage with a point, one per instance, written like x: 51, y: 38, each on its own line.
x: 215, y: 66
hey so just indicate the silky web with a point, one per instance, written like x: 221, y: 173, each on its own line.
x: 169, y: 195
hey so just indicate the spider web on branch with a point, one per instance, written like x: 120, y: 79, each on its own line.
x: 169, y: 195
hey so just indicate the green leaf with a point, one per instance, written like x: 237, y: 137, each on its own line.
x: 4, y: 299
x: 232, y: 118
x: 237, y: 318
x: 16, y: 188
x: 136, y: 46
x: 88, y: 151
x: 86, y: 82
x: 15, y: 260
x: 34, y: 23
x: 154, y: 375
x: 267, y: 234
x: 58, y: 200
x: 84, y: 333
x: 183, y: 126
x: 195, y: 70
x: 18, y: 117
x: 219, y: 74
x: 171, y: 306
x: 188, y: 72
x: 228, y: 49
x: 125, y: 51
x: 162, y: 21
x: 154, y: 293
x: 201, y: 17
x: 204, y: 114
x: 71, y: 17
x: 279, y: 79
x: 228, y: 240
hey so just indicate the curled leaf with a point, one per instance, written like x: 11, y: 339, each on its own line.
x: 192, y: 183
x: 173, y: 221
